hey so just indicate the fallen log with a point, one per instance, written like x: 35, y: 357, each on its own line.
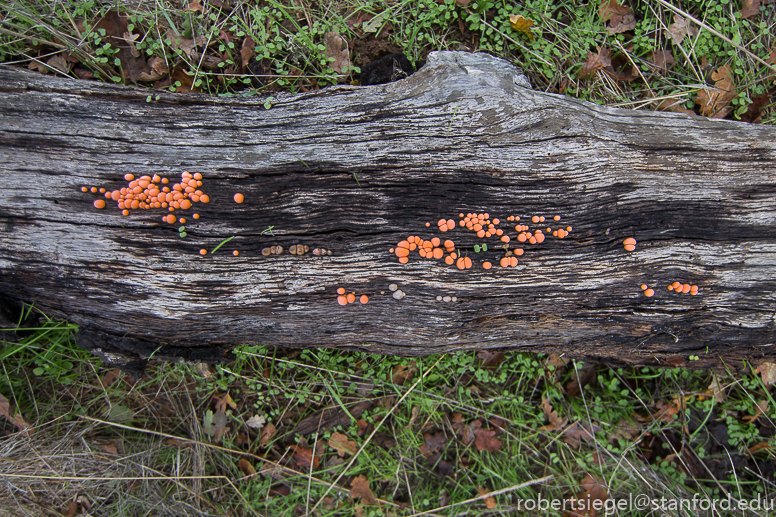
x: 357, y: 171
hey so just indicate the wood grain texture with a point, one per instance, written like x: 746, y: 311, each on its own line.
x: 356, y: 170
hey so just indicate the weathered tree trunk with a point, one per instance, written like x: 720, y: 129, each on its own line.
x: 356, y: 170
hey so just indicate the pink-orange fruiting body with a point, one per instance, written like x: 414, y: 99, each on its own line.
x: 239, y: 198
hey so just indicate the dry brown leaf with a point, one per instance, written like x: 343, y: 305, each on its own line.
x: 579, y: 432
x: 594, y: 63
x: 267, y: 433
x: 175, y: 442
x: 360, y: 488
x: 184, y: 44
x: 484, y: 440
x: 717, y: 391
x: 624, y: 430
x: 305, y: 457
x: 110, y: 377
x: 716, y: 103
x: 758, y: 447
x: 246, y: 467
x: 756, y: 109
x: 679, y: 29
x: 402, y: 373
x: 593, y: 497
x: 433, y: 443
x: 663, y: 59
x: 556, y: 422
x: 247, y: 51
x: 759, y: 409
x: 342, y: 444
x: 490, y: 501
x: 337, y: 48
x: 768, y: 373
x: 749, y: 8
x: 490, y: 359
x: 158, y: 70
x: 17, y: 419
x: 196, y: 5
x: 109, y: 448
x: 617, y: 18
x: 59, y: 63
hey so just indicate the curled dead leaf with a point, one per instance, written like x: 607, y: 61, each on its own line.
x: 594, y: 63
x: 715, y: 103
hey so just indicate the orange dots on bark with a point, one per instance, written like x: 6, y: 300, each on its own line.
x: 204, y: 198
x: 235, y: 253
x: 364, y: 299
x: 438, y: 253
x: 522, y: 237
x: 403, y: 260
x: 203, y: 252
x: 351, y: 298
x: 649, y: 293
x: 693, y: 290
x: 535, y: 219
x: 238, y: 198
x: 643, y: 286
x: 496, y: 221
x: 513, y: 261
x: 449, y: 260
x: 556, y: 218
x: 195, y: 216
x: 629, y: 244
x: 341, y: 290
x: 125, y: 212
x: 428, y: 224
x: 171, y: 219
x: 435, y: 241
x: 342, y: 300
x: 129, y: 177
x: 185, y: 204
x: 505, y: 238
x: 487, y: 265
x: 100, y: 203
x: 504, y: 262
x: 519, y: 251
x: 686, y: 288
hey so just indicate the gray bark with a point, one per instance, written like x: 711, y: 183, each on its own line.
x: 355, y: 170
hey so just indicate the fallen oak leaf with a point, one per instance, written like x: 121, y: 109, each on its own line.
x: 579, y: 432
x: 556, y: 422
x: 360, y: 488
x: 594, y: 63
x: 337, y: 52
x: 484, y: 440
x: 616, y: 17
x: 342, y: 444
x: 716, y: 103
x: 679, y: 29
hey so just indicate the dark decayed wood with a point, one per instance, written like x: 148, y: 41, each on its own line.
x: 355, y: 170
